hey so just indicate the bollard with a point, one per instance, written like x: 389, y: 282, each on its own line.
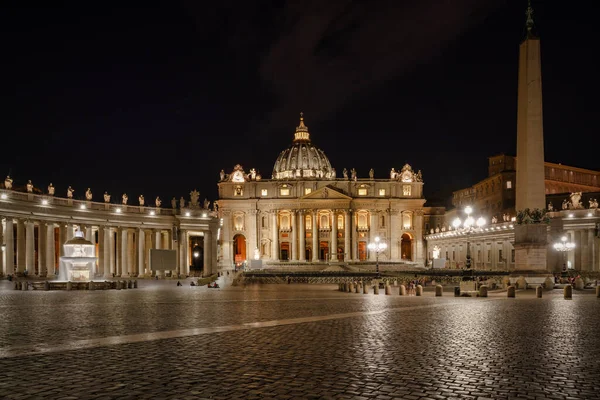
x: 124, y: 284
x: 118, y: 285
x: 24, y: 286
x: 598, y: 291
x: 402, y: 290
x: 357, y: 287
x: 456, y: 291
x: 69, y: 285
x: 483, y: 289
x: 135, y: 284
x: 365, y: 288
x: 129, y: 284
x: 388, y: 289
x: 339, y: 287
x: 17, y: 285
x: 510, y: 291
x: 568, y: 292
x: 46, y: 285
x: 438, y: 290
x: 579, y: 283
x: 538, y: 292
x: 376, y: 288
x: 419, y: 290
x: 351, y: 287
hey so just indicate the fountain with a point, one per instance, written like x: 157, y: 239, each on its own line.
x: 77, y: 265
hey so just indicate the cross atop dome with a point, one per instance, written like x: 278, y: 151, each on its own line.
x: 302, y: 131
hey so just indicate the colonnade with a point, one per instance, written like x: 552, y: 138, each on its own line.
x: 120, y: 251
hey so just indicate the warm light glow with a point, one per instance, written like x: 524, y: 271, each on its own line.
x: 82, y: 206
x: 187, y: 213
x: 45, y: 202
x: 456, y: 223
x: 470, y: 221
x: 468, y: 210
x: 480, y: 222
x: 570, y: 215
x: 204, y: 215
x: 196, y: 254
x: 152, y: 212
x: 3, y: 196
x: 563, y: 245
x: 118, y: 210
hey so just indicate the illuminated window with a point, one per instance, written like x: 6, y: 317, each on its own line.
x: 362, y: 191
x: 406, y: 190
x: 284, y: 191
x: 264, y: 192
x: 500, y: 259
x: 307, y: 190
x: 308, y: 220
x: 340, y: 221
x: 509, y: 184
x: 324, y: 222
x: 382, y: 192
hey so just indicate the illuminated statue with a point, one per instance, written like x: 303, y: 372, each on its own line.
x: 222, y: 174
x: 157, y: 201
x: 333, y: 173
x: 194, y: 195
x: 181, y: 202
x: 371, y: 173
x: 141, y: 200
x: 106, y: 197
x: 29, y: 186
x: 345, y: 173
x: 419, y: 176
x: 252, y: 174
x: 88, y: 194
x: 593, y: 203
x: 206, y: 204
x: 393, y: 174
x: 353, y: 174
x: 70, y: 192
x: 565, y: 204
x: 51, y: 189
x: 173, y: 202
x: 8, y: 182
x: 124, y: 199
x: 550, y: 206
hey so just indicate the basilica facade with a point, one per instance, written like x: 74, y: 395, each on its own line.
x: 307, y: 217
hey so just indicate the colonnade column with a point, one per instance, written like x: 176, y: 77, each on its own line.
x: 141, y: 252
x: 253, y: 235
x: 42, y: 230
x: 275, y: 231
x: 182, y: 262
x: 354, y: 236
x: 186, y: 251
x: 62, y: 238
x: 89, y: 234
x: 100, y: 254
x: 20, y: 245
x: 111, y: 252
x: 158, y: 245
x: 70, y: 233
x: 315, y: 238
x: 106, y: 251
x: 592, y: 258
x: 128, y: 244
x: 3, y: 251
x: 30, y: 248
x: 302, y: 238
x: 50, y: 253
x: 9, y: 266
x: 347, y: 246
x: 333, y: 240
x: 294, y: 254
x: 207, y: 253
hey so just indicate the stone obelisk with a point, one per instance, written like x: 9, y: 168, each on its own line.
x: 530, y: 239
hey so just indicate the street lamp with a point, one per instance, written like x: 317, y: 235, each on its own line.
x: 564, y: 246
x: 377, y: 246
x: 468, y: 227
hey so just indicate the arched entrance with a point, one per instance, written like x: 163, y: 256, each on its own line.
x: 239, y: 250
x: 323, y: 251
x: 406, y: 247
x: 308, y: 253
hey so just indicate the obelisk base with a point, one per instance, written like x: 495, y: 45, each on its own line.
x: 530, y: 253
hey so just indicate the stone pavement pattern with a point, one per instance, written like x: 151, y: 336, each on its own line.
x: 391, y: 347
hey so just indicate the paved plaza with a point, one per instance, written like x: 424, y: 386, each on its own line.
x: 161, y: 341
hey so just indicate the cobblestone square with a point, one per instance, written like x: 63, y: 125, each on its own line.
x: 295, y: 342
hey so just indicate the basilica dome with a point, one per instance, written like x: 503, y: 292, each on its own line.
x: 302, y: 159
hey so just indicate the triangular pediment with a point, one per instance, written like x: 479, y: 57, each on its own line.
x: 326, y: 192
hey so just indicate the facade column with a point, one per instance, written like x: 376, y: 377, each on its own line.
x: 106, y: 252
x: 347, y: 245
x: 252, y: 242
x: 275, y: 232
x: 372, y: 232
x: 207, y: 253
x: 89, y: 234
x: 333, y: 245
x: 3, y: 251
x: 354, y: 236
x: 124, y: 251
x: 42, y: 231
x: 590, y: 250
x: 30, y: 248
x: 186, y: 252
x: 20, y: 245
x: 315, y: 237
x: 302, y: 238
x: 111, y: 253
x: 158, y: 245
x: 9, y: 253
x: 182, y: 261
x: 141, y: 252
x: 50, y: 252
x: 294, y: 254
x: 70, y: 233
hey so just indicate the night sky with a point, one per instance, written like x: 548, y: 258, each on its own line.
x: 157, y: 100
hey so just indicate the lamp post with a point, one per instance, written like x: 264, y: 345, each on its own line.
x: 564, y: 246
x: 468, y: 226
x: 377, y: 246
